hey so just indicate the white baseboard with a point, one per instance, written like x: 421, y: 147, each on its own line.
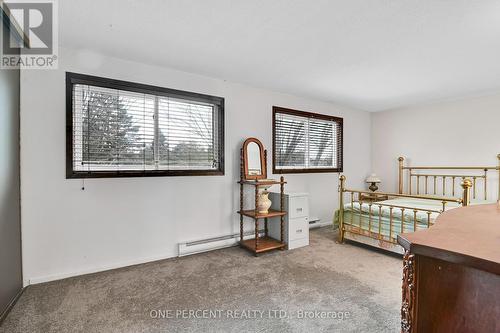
x: 97, y: 269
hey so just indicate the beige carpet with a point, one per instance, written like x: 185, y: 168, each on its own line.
x: 345, y: 288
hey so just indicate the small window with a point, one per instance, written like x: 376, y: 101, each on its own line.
x: 305, y: 142
x: 117, y: 129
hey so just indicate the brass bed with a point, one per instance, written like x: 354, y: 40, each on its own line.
x: 376, y: 218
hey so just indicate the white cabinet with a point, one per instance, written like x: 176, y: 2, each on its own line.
x: 296, y: 219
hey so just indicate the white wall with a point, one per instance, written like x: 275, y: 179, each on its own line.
x: 461, y: 132
x: 115, y: 222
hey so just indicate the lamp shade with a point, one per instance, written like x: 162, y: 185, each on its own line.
x: 373, y: 179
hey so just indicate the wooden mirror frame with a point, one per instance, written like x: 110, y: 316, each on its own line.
x: 263, y: 160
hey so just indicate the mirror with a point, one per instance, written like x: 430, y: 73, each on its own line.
x: 253, y: 153
x: 254, y: 163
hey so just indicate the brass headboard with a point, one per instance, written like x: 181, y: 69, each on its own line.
x: 437, y: 184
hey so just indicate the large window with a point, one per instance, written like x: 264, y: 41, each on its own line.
x: 306, y: 142
x: 117, y: 128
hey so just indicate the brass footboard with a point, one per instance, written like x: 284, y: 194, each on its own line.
x: 434, y: 183
x: 378, y: 206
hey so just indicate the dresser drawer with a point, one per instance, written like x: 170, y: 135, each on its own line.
x: 298, y: 207
x: 298, y: 228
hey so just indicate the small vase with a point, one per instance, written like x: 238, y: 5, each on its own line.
x: 263, y: 203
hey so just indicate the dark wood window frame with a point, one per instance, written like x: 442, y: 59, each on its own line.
x: 74, y: 78
x: 340, y: 150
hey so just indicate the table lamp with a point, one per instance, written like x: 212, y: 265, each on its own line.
x: 373, y: 180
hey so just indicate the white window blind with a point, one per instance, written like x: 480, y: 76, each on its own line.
x: 116, y: 130
x: 306, y: 142
x: 186, y: 135
x: 112, y: 129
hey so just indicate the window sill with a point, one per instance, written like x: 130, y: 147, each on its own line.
x: 319, y: 170
x: 138, y: 174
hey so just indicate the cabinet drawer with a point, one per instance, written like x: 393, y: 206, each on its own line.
x: 298, y: 207
x: 298, y: 243
x: 298, y: 228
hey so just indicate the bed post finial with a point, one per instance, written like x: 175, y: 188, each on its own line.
x: 466, y: 185
x: 401, y: 165
x: 341, y: 208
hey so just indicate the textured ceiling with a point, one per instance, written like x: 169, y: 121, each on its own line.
x: 371, y: 55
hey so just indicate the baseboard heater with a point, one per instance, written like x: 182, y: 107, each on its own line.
x: 315, y: 222
x: 214, y: 243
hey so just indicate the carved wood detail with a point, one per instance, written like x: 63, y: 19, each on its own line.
x: 408, y: 307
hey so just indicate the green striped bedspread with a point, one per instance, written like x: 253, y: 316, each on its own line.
x: 357, y: 216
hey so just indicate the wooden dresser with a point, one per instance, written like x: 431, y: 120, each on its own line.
x: 451, y: 273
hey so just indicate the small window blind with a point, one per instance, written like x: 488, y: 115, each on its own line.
x: 306, y: 142
x: 122, y: 129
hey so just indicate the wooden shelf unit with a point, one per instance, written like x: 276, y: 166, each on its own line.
x: 264, y: 244
x: 253, y: 214
x: 260, y: 244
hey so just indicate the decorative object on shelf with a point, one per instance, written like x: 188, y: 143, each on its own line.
x: 253, y: 171
x: 263, y: 203
x: 373, y: 180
